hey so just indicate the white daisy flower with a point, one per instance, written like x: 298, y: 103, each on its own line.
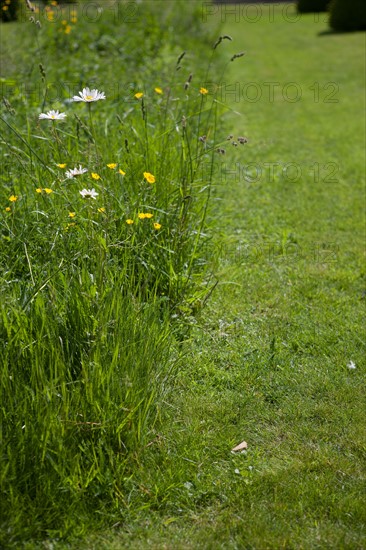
x: 75, y: 172
x: 88, y: 95
x: 53, y: 115
x: 351, y: 365
x: 89, y: 193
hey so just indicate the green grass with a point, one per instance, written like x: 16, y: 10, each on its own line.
x: 94, y: 265
x: 266, y: 360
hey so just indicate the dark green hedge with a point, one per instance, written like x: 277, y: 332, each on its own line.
x: 9, y: 10
x: 312, y: 6
x: 347, y: 15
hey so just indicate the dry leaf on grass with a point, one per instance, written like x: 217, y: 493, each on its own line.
x: 241, y: 447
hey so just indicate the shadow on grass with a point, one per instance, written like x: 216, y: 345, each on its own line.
x: 328, y: 32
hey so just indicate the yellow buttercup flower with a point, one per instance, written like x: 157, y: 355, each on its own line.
x: 139, y: 95
x: 148, y: 215
x: 157, y: 225
x: 13, y: 198
x: 141, y: 215
x: 8, y: 209
x: 158, y: 90
x: 112, y: 165
x: 72, y: 214
x: 129, y: 221
x: 101, y: 210
x: 95, y: 176
x: 203, y: 91
x: 48, y: 190
x: 39, y: 190
x: 149, y: 177
x: 61, y: 165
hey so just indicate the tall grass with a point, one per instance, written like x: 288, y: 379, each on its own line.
x: 94, y: 268
x: 80, y: 377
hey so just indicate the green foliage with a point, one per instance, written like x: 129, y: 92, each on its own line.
x: 268, y: 360
x: 312, y: 6
x: 95, y: 265
x: 107, y: 420
x: 80, y: 377
x: 347, y: 15
x: 9, y: 10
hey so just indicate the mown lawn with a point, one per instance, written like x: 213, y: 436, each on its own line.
x: 270, y: 357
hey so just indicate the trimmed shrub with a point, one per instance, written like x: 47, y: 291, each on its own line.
x: 347, y: 15
x: 312, y: 6
x: 9, y: 10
